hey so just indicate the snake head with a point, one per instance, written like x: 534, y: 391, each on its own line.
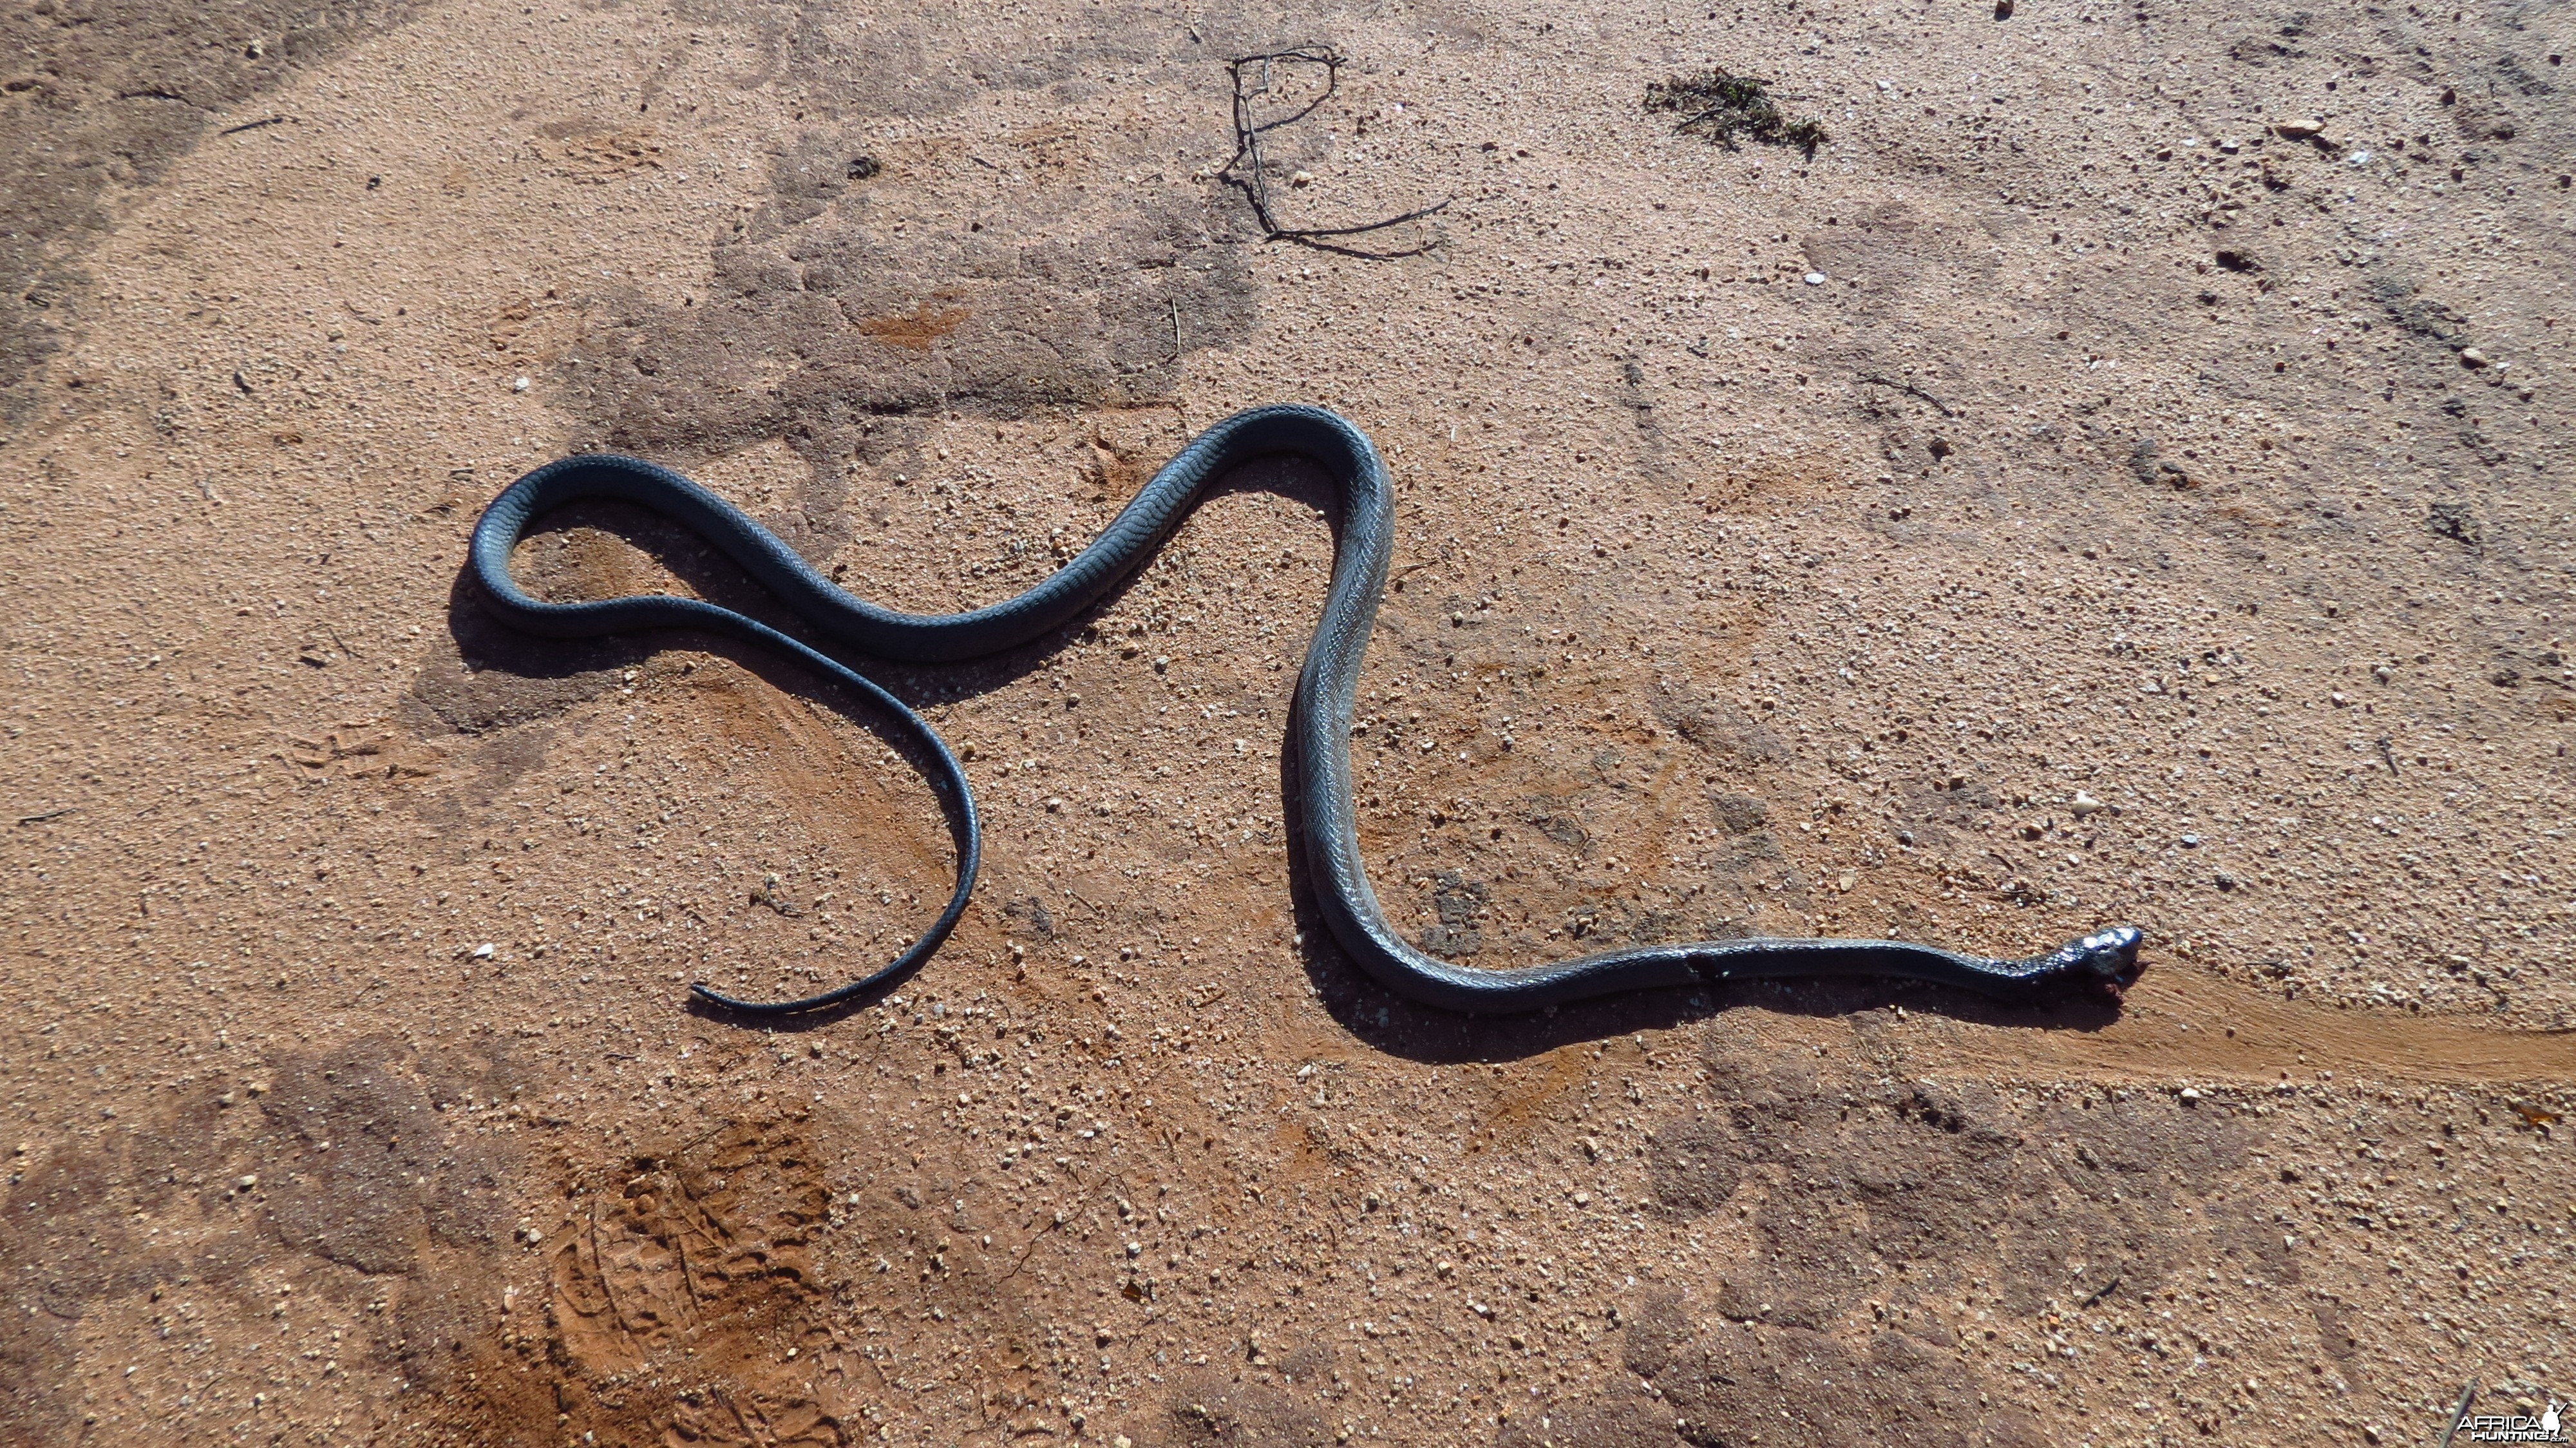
x: 2106, y: 960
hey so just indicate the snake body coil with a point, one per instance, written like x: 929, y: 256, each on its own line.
x: 1319, y: 727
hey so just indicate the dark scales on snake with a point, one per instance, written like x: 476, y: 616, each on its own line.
x: 1318, y: 732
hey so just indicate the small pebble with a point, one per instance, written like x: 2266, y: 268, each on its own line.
x: 1815, y: 279
x: 2191, y: 842
x: 519, y: 385
x: 1302, y: 178
x: 246, y: 1183
x: 483, y: 951
x: 2086, y: 804
x: 2472, y: 358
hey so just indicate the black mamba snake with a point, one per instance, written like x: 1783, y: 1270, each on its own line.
x: 1319, y: 729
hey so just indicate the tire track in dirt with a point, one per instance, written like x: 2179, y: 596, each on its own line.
x: 2179, y: 1025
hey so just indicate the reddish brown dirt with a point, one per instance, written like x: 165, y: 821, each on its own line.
x: 2151, y: 509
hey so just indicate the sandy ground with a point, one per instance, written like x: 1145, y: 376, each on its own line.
x: 2120, y: 476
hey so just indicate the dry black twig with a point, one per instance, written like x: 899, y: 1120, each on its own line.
x: 1910, y: 389
x: 2468, y: 1395
x: 2098, y: 1293
x: 1247, y: 170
